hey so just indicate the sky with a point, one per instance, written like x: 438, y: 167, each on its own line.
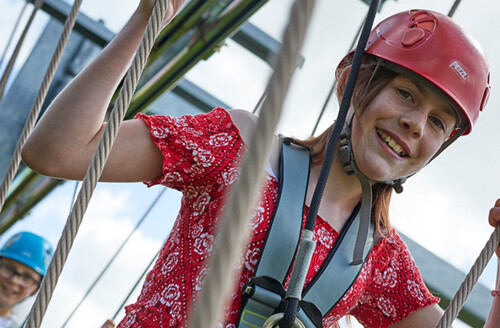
x: 444, y: 207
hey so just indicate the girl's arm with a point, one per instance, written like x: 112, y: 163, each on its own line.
x: 66, y: 137
x: 427, y: 317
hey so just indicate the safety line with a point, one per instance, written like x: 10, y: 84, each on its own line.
x: 15, y: 53
x: 137, y: 283
x: 115, y: 255
x: 334, y: 85
x: 14, y: 29
x: 454, y: 8
x: 37, y: 106
x: 97, y: 165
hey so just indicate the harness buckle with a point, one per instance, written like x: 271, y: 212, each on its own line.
x: 273, y: 321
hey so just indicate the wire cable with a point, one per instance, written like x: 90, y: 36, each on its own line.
x: 334, y: 85
x: 15, y: 54
x: 115, y: 255
x: 137, y: 283
x: 14, y: 29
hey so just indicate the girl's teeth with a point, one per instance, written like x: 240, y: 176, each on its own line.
x: 397, y: 148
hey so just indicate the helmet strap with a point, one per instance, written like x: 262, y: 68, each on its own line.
x: 346, y: 157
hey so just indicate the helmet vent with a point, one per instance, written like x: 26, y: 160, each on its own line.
x: 423, y: 20
x: 421, y: 25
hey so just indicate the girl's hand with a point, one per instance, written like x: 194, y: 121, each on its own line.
x: 494, y: 219
x: 173, y: 7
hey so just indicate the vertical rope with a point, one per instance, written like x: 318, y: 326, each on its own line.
x: 137, y: 283
x: 232, y: 232
x: 95, y: 169
x: 454, y: 8
x: 334, y: 85
x: 37, y: 106
x: 14, y: 29
x: 15, y: 54
x: 115, y: 255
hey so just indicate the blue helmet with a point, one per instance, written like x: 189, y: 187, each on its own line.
x: 28, y: 249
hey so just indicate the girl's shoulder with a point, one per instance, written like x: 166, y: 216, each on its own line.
x: 392, y: 248
x: 245, y: 122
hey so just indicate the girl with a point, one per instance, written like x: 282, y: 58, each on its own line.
x: 422, y: 81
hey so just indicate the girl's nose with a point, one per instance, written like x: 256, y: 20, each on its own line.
x: 414, y: 122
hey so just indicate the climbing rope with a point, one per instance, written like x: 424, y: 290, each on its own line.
x: 454, y: 8
x: 231, y: 237
x: 14, y: 29
x: 15, y: 54
x: 103, y: 271
x: 97, y: 164
x: 42, y: 93
x: 463, y: 292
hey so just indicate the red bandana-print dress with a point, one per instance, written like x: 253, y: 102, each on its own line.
x: 202, y: 154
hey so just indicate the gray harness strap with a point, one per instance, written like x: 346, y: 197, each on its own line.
x: 264, y: 294
x: 286, y: 225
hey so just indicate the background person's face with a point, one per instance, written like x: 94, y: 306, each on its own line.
x: 12, y: 290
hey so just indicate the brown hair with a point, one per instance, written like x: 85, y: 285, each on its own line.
x: 377, y: 77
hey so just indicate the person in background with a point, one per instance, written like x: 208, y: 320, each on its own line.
x: 24, y: 259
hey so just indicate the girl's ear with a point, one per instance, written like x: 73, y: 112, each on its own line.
x: 342, y: 78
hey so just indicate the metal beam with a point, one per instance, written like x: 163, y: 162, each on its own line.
x: 249, y: 36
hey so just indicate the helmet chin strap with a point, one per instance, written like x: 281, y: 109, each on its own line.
x: 346, y: 157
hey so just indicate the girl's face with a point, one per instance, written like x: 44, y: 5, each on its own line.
x: 401, y: 129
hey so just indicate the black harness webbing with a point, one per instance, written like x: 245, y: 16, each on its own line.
x: 264, y: 294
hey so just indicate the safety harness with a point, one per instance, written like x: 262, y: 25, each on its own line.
x: 264, y: 294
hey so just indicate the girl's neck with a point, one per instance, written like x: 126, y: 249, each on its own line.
x: 341, y: 195
x: 5, y: 312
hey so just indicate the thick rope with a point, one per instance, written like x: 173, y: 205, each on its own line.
x: 115, y: 255
x: 15, y: 53
x: 231, y: 238
x: 95, y: 169
x: 463, y: 292
x: 37, y: 106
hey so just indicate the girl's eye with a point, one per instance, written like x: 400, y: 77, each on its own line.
x: 437, y: 122
x: 405, y: 94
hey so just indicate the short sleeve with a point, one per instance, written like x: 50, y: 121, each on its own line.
x: 196, y: 149
x: 397, y: 289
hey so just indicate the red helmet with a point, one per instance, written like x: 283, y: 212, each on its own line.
x: 433, y: 46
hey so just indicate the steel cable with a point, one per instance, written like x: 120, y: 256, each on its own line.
x: 15, y: 53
